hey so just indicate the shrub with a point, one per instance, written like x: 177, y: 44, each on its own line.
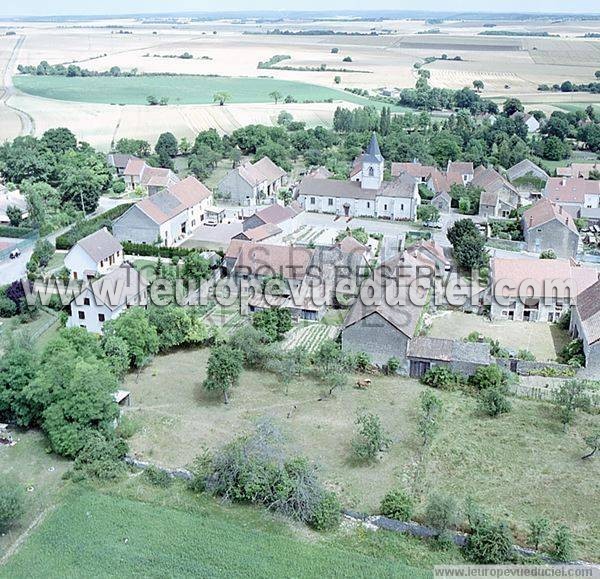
x: 274, y: 322
x: 494, y: 401
x: 487, y: 377
x: 347, y: 59
x: 525, y: 355
x: 15, y: 232
x: 392, y: 366
x: 362, y: 361
x: 370, y: 438
x: 397, y: 504
x: 100, y: 458
x: 562, y: 545
x: 327, y: 513
x: 538, y: 532
x: 442, y: 513
x: 490, y: 544
x: 158, y: 477
x: 12, y: 503
x: 443, y: 378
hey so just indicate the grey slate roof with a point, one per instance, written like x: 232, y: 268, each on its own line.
x: 100, y: 245
x: 334, y: 188
x: 124, y: 284
x: 442, y: 350
x: 373, y: 154
x: 403, y: 186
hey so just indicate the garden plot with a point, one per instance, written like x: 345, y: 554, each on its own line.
x: 310, y: 337
x: 228, y: 320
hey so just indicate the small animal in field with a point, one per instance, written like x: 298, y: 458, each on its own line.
x: 363, y: 384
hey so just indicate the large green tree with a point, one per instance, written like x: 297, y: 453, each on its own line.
x: 223, y: 370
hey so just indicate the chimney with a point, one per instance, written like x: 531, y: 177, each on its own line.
x: 567, y: 221
x: 564, y: 181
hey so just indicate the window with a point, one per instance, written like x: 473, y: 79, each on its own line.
x: 371, y: 171
x: 86, y: 301
x: 101, y: 263
x: 401, y: 206
x: 101, y: 317
x: 81, y: 315
x: 385, y: 207
x: 368, y: 205
x: 312, y: 200
x: 330, y: 202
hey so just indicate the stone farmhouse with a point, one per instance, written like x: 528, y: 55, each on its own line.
x: 576, y: 195
x: 251, y: 183
x: 536, y: 290
x: 94, y: 255
x: 585, y: 324
x: 119, y: 162
x: 498, y: 197
x: 107, y: 298
x: 546, y: 226
x: 138, y: 173
x: 526, y: 169
x: 414, y: 169
x: 365, y: 194
x: 166, y: 217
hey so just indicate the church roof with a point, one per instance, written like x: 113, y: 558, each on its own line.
x: 373, y: 154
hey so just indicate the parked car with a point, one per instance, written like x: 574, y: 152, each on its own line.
x: 15, y: 253
x: 211, y: 223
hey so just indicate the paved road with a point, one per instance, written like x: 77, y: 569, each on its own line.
x: 27, y: 122
x: 12, y: 269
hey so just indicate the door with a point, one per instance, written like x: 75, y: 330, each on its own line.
x: 347, y: 209
x: 418, y: 368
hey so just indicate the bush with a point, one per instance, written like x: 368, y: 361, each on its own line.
x: 158, y: 477
x: 442, y: 513
x: 273, y: 322
x: 493, y: 401
x: 562, y: 545
x: 12, y: 503
x: 392, y: 366
x: 488, y: 377
x: 397, y: 504
x: 443, y: 378
x: 490, y: 544
x: 100, y: 458
x: 370, y: 438
x: 144, y: 250
x: 327, y: 513
x: 362, y: 361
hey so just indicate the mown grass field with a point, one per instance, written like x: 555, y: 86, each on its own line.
x: 518, y: 466
x: 97, y: 535
x: 182, y: 90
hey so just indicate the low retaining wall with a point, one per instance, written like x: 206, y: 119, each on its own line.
x: 180, y: 473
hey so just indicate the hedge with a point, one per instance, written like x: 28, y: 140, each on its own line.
x: 15, y: 232
x: 80, y: 230
x: 143, y: 249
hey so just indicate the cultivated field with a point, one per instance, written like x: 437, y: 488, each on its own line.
x: 234, y: 49
x: 519, y: 466
x: 92, y: 533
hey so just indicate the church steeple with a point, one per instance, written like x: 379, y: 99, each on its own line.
x: 373, y: 148
x: 372, y: 166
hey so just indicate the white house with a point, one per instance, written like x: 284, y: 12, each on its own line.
x: 169, y: 216
x: 94, y: 255
x: 530, y: 121
x: 365, y: 194
x: 107, y: 298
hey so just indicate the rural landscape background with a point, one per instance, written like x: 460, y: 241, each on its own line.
x: 224, y: 54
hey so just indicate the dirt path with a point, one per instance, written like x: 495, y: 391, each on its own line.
x: 27, y: 122
x: 25, y: 535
